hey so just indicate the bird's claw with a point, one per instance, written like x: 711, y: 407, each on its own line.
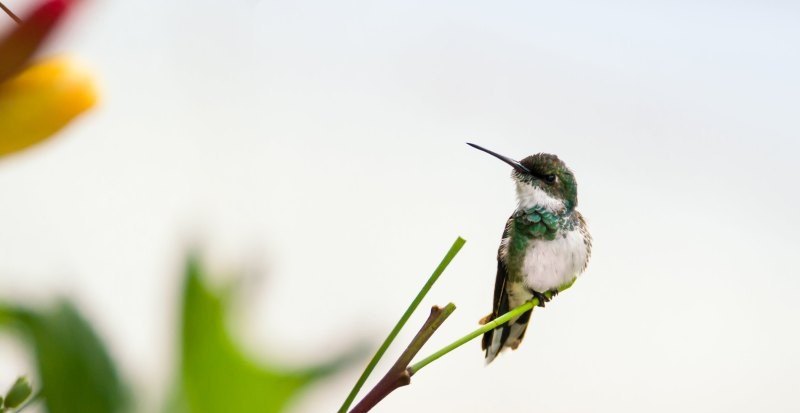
x: 541, y: 297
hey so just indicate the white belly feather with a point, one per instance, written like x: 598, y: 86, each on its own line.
x: 549, y: 264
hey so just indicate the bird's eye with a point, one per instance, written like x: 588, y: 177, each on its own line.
x: 550, y: 178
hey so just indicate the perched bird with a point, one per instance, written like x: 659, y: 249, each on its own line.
x: 545, y: 244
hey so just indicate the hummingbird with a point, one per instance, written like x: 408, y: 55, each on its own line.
x: 544, y: 248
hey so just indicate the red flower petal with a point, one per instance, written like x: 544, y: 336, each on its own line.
x: 19, y: 45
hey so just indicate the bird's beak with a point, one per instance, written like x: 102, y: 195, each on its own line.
x: 514, y: 164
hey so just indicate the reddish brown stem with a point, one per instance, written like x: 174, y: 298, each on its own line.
x: 10, y: 13
x: 398, y: 376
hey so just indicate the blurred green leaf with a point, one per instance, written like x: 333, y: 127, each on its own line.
x: 18, y: 393
x: 76, y: 371
x: 216, y: 376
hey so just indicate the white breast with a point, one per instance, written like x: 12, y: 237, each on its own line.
x: 550, y: 264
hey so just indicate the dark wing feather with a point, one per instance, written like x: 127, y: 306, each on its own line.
x: 500, y: 301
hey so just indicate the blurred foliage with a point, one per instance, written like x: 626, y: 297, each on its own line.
x: 76, y: 372
x: 216, y: 376
x: 78, y: 376
x: 16, y: 395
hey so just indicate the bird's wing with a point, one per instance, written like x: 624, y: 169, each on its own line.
x: 500, y: 301
x: 511, y: 333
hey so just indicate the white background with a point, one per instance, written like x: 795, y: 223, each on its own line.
x: 320, y: 146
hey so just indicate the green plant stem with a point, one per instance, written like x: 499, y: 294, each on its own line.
x: 398, y: 376
x: 459, y: 242
x: 497, y: 322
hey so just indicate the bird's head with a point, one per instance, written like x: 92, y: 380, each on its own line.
x: 541, y: 179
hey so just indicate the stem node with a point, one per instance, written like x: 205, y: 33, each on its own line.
x: 454, y: 249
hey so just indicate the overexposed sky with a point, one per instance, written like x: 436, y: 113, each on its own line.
x: 321, y: 144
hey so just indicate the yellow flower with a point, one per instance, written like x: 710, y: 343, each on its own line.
x: 40, y: 101
x: 37, y: 101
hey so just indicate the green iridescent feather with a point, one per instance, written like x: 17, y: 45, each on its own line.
x: 534, y: 223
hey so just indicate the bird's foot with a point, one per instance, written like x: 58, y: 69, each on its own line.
x: 541, y: 297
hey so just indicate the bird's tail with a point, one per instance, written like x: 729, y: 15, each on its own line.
x: 509, y: 334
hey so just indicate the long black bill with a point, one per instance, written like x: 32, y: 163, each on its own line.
x: 514, y: 164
